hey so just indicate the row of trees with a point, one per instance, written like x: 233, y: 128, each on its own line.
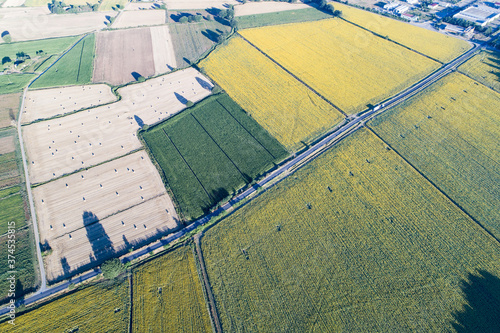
x: 487, y: 31
x: 59, y: 7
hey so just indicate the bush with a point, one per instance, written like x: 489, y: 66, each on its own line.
x: 7, y: 38
x: 141, y: 79
x: 183, y: 19
x: 112, y: 268
x: 189, y: 104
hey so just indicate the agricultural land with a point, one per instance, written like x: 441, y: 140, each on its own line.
x: 74, y: 68
x: 281, y: 17
x: 346, y: 64
x: 97, y: 308
x: 9, y: 106
x: 484, y: 68
x: 163, y: 49
x: 253, y: 8
x: 292, y: 115
x: 357, y: 240
x: 14, y: 83
x: 415, y: 38
x: 168, y: 296
x: 107, y: 5
x: 450, y: 133
x: 137, y: 18
x: 197, y: 4
x: 225, y: 149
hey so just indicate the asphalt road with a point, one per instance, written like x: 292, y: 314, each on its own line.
x: 355, y: 122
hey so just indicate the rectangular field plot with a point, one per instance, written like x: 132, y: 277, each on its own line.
x: 163, y: 49
x: 97, y: 212
x: 210, y: 151
x: 346, y: 64
x: 9, y: 108
x: 283, y: 17
x: 63, y: 145
x: 138, y: 18
x: 450, y: 133
x: 485, y: 68
x: 47, y: 103
x: 96, y: 308
x: 112, y: 66
x: 75, y: 67
x: 168, y: 296
x: 416, y: 38
x: 355, y: 241
x: 287, y: 109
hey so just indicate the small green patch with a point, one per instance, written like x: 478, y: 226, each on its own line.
x: 288, y: 16
x: 12, y: 83
x: 8, y: 191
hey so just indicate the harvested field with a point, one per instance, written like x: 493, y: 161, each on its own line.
x: 98, y: 308
x: 355, y: 241
x: 168, y: 296
x: 36, y: 23
x: 62, y: 145
x: 9, y: 108
x: 252, y: 8
x: 485, y: 68
x: 7, y: 145
x: 293, y: 115
x: 198, y: 4
x: 47, y: 103
x: 346, y: 64
x: 137, y: 18
x: 13, y: 3
x: 224, y: 150
x: 201, y: 36
x: 163, y: 49
x: 416, y: 38
x: 111, y: 64
x: 99, y: 205
x: 450, y: 133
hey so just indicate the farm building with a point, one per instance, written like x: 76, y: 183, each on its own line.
x: 433, y: 6
x: 412, y: 2
x: 409, y: 17
x: 479, y: 14
x: 391, y: 5
x: 401, y: 9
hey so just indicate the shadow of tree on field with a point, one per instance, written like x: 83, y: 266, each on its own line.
x: 180, y: 98
x: 482, y: 311
x: 204, y: 84
x: 65, y: 266
x: 210, y: 34
x: 139, y: 121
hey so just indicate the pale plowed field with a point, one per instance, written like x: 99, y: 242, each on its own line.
x: 198, y: 4
x: 47, y: 103
x: 59, y: 146
x: 252, y: 8
x: 139, y: 5
x: 137, y: 18
x: 121, y: 53
x: 7, y: 145
x: 36, y: 23
x: 13, y: 3
x: 111, y: 235
x: 163, y: 49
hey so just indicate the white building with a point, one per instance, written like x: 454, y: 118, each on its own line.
x: 391, y: 5
x: 401, y: 9
x: 412, y: 2
x: 479, y: 14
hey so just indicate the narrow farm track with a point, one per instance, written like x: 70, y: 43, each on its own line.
x: 331, y: 138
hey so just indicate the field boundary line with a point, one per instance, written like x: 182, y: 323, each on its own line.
x: 294, y: 76
x: 194, y: 174
x: 214, y: 315
x: 246, y: 129
x: 218, y: 146
x: 435, y: 186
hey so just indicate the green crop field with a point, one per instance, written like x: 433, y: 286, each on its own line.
x: 75, y: 67
x: 168, y: 296
x: 287, y: 16
x: 111, y: 4
x: 13, y: 83
x: 485, y: 68
x: 355, y: 241
x: 191, y: 40
x: 99, y: 308
x: 12, y: 210
x: 210, y: 151
x: 25, y: 258
x: 50, y: 46
x: 450, y: 133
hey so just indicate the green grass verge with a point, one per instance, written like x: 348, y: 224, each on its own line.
x: 12, y: 210
x: 11, y: 83
x: 74, y: 68
x: 24, y: 254
x: 210, y: 151
x: 288, y: 16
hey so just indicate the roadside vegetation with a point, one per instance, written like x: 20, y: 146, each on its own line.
x: 356, y: 240
x: 168, y: 296
x: 210, y: 151
x: 75, y: 67
x: 450, y: 133
x: 485, y: 68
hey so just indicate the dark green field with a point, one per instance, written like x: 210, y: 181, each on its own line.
x: 209, y: 151
x: 75, y: 67
x: 288, y: 16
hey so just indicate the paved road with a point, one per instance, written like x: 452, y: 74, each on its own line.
x: 354, y: 123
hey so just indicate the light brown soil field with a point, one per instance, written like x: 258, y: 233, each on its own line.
x: 59, y: 146
x: 139, y: 5
x: 36, y: 23
x: 163, y: 49
x: 199, y: 4
x: 252, y: 8
x: 47, y: 103
x: 145, y: 221
x: 7, y: 145
x: 9, y: 105
x: 121, y: 53
x: 137, y: 18
x: 13, y: 3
